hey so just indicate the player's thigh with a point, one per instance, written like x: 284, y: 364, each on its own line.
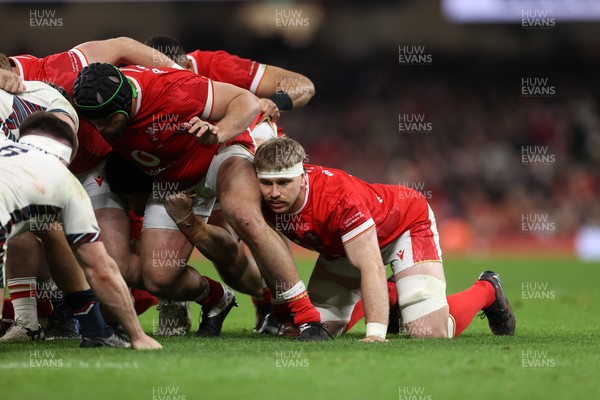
x: 334, y: 290
x: 233, y: 178
x: 25, y: 257
x: 114, y: 225
x: 164, y: 250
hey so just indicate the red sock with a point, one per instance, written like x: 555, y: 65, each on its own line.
x: 215, y: 293
x: 358, y: 312
x: 143, y: 300
x: 44, y: 308
x: 465, y: 305
x: 266, y: 298
x: 8, y: 312
x: 303, y: 310
x: 135, y: 225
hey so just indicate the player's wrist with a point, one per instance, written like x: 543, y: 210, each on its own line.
x: 194, y: 228
x: 376, y: 329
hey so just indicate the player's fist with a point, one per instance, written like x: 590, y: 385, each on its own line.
x: 145, y: 342
x: 204, y: 132
x: 178, y: 206
x: 269, y: 109
x: 11, y: 82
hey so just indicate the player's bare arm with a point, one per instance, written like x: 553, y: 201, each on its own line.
x: 234, y: 108
x: 286, y: 88
x: 363, y: 253
x: 104, y: 277
x: 11, y: 82
x: 124, y: 50
x: 214, y: 242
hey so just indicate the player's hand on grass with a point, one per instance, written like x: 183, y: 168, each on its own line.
x: 11, y: 82
x: 269, y: 109
x: 145, y: 342
x: 371, y: 339
x: 204, y: 132
x: 179, y: 206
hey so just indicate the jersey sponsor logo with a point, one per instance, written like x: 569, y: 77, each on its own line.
x: 99, y: 180
x: 145, y: 158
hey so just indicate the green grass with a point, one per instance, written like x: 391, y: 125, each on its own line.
x: 562, y: 333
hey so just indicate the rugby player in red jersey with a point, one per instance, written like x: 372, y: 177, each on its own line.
x: 357, y: 228
x: 61, y: 70
x: 207, y: 150
x: 277, y: 89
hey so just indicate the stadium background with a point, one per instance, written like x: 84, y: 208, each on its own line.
x: 468, y: 160
x: 513, y: 179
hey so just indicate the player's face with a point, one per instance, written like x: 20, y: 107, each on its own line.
x: 111, y: 128
x: 283, y: 195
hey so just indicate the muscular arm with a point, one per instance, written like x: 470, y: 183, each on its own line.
x: 298, y: 87
x: 233, y: 107
x: 364, y: 254
x: 214, y: 242
x: 124, y: 50
x: 105, y: 279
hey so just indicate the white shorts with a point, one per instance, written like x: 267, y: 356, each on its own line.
x: 334, y: 289
x: 156, y: 216
x: 96, y: 186
x: 418, y: 245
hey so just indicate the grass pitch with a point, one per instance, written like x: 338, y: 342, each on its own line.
x: 554, y: 355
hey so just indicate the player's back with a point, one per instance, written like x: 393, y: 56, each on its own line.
x: 38, y: 96
x: 32, y: 182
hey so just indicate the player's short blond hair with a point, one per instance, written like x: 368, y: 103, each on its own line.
x: 279, y: 153
x: 5, y: 62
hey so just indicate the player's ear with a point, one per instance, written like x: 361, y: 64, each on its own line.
x: 303, y: 180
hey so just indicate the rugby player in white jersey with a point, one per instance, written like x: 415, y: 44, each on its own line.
x: 61, y: 69
x: 39, y: 192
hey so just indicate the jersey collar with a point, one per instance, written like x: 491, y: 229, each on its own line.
x: 298, y: 211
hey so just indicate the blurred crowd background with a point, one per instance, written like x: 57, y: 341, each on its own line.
x: 468, y: 161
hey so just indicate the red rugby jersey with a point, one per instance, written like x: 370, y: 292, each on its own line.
x: 61, y: 69
x: 155, y: 139
x: 339, y: 207
x: 224, y: 67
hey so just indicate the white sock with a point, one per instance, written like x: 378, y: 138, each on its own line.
x: 25, y: 307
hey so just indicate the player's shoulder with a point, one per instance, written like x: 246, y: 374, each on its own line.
x: 326, y: 175
x: 329, y: 185
x: 39, y: 86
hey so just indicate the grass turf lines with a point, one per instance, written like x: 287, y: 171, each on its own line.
x: 554, y: 355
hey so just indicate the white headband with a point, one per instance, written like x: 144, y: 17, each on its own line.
x: 292, y: 172
x: 49, y: 145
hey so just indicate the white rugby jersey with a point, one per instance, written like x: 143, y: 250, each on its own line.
x: 39, y: 96
x: 35, y: 188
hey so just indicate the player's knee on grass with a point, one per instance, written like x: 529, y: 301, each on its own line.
x: 334, y: 296
x: 423, y: 304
